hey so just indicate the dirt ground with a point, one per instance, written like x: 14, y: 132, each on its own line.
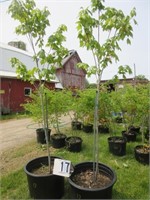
x: 16, y: 133
x: 19, y: 131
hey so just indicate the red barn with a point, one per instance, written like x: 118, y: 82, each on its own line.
x: 70, y: 76
x: 14, y: 91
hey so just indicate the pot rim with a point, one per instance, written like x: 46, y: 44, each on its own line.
x: 113, y: 174
x: 42, y: 129
x: 130, y: 132
x: 139, y: 146
x: 117, y: 137
x: 58, y: 134
x: 35, y: 160
x: 67, y: 138
x: 78, y: 122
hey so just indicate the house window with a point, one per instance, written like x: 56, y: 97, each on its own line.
x: 27, y: 91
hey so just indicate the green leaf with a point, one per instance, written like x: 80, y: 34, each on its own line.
x: 133, y: 12
x: 33, y: 23
x: 128, y: 41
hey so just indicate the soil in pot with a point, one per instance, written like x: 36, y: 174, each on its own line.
x: 74, y: 144
x: 142, y: 154
x: 40, y: 135
x: 88, y: 128
x: 130, y: 135
x: 76, y: 125
x: 85, y: 179
x: 83, y: 186
x: 134, y: 128
x: 58, y: 140
x: 117, y: 145
x: 42, y: 184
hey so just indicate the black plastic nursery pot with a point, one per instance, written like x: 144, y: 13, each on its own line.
x: 130, y: 135
x: 88, y: 128
x: 103, y: 129
x: 74, y: 144
x: 58, y: 140
x: 46, y: 186
x: 76, y: 125
x: 117, y: 145
x: 40, y: 135
x: 135, y: 128
x: 79, y: 192
x: 142, y: 154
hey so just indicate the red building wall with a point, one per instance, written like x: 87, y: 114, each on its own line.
x: 13, y: 93
x: 70, y: 75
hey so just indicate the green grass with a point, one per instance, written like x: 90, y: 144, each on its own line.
x: 132, y: 177
x: 14, y: 116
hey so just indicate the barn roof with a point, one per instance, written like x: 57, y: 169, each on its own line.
x: 9, y: 47
x: 71, y: 53
x: 7, y: 52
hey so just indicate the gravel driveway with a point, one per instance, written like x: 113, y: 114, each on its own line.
x: 14, y: 132
x: 19, y: 131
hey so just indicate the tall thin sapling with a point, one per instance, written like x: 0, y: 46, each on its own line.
x: 48, y: 51
x: 117, y: 26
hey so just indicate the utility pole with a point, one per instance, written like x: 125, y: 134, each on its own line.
x: 134, y: 75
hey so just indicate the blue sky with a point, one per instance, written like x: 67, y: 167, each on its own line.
x: 66, y: 12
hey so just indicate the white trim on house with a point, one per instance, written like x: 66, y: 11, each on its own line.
x: 7, y: 74
x: 7, y: 52
x: 58, y: 86
x: 15, y: 49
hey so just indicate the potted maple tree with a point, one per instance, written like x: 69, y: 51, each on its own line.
x: 117, y: 144
x: 128, y: 102
x: 33, y: 107
x: 59, y: 106
x: 76, y: 123
x: 142, y: 151
x: 86, y: 109
x: 74, y: 142
x: 86, y: 181
x: 47, y: 54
